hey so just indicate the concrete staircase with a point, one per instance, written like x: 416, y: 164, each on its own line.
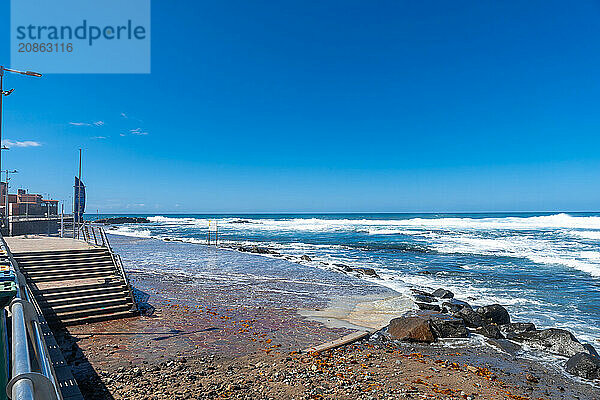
x: 77, y: 286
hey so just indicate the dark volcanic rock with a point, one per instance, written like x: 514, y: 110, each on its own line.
x: 305, y: 258
x: 472, y: 319
x: 557, y: 341
x: 453, y: 306
x: 445, y: 326
x: 450, y: 308
x: 443, y: 293
x: 366, y: 271
x: 459, y: 303
x: 590, y: 349
x: 411, y: 329
x: 344, y: 267
x: 421, y: 292
x: 426, y: 306
x: 123, y: 220
x: 514, y: 328
x: 490, y: 331
x: 494, y: 314
x: 241, y: 221
x: 584, y: 365
x: 425, y: 299
x: 257, y: 250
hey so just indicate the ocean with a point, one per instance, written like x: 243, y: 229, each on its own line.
x: 544, y: 267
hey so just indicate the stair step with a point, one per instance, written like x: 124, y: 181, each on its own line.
x: 58, y: 296
x: 80, y: 298
x: 70, y: 277
x: 62, y: 267
x: 61, y: 260
x: 68, y: 268
x: 48, y: 255
x: 52, y: 252
x: 90, y: 305
x: 67, y: 271
x: 90, y: 312
x: 62, y: 263
x: 90, y: 319
x: 65, y: 290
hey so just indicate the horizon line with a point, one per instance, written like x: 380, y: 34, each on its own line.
x: 343, y: 212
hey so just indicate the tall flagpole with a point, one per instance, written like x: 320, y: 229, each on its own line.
x: 76, y: 201
x: 79, y: 194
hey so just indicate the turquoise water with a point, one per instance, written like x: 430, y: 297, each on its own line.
x: 544, y: 267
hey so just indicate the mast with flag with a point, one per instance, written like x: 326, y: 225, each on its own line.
x: 79, y: 198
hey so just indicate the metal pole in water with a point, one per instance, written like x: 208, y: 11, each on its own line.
x: 209, y: 232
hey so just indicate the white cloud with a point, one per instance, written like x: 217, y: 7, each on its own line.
x: 16, y: 143
x: 96, y: 123
x: 138, y: 131
x: 124, y: 115
x: 98, y: 137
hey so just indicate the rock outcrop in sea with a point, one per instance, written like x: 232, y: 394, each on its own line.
x: 122, y: 220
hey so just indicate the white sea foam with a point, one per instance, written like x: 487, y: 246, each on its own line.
x: 556, y: 221
x: 392, y: 232
x: 448, y: 235
x: 129, y: 231
x: 594, y: 235
x: 541, y: 251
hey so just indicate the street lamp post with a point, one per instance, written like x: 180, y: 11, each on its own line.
x: 7, y: 93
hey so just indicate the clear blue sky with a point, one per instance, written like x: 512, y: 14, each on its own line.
x: 328, y: 106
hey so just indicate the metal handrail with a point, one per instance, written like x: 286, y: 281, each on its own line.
x: 116, y: 258
x: 25, y: 383
x: 41, y: 348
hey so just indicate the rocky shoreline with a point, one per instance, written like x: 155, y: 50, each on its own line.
x: 343, y: 268
x: 442, y: 316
